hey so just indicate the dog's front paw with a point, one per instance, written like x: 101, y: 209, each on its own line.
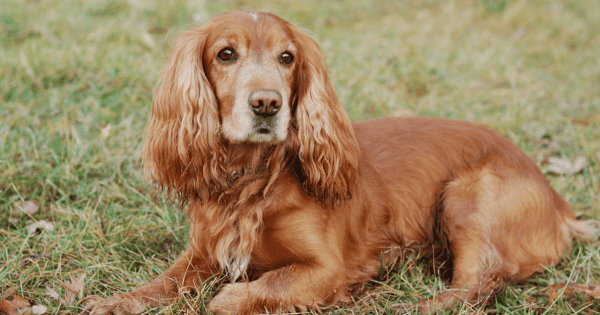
x: 250, y: 298
x: 126, y: 303
x: 230, y: 299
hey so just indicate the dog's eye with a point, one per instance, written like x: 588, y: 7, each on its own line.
x: 286, y: 58
x: 226, y: 55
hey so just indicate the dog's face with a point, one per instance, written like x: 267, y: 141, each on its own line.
x: 250, y: 63
x: 248, y: 77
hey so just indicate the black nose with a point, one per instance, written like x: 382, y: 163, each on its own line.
x: 265, y: 103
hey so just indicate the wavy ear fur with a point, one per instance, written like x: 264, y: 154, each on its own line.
x: 181, y: 149
x: 328, y: 149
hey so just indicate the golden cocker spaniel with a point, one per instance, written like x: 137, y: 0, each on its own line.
x: 297, y: 205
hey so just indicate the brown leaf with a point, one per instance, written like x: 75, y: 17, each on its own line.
x: 553, y: 293
x: 72, y: 289
x: 589, y: 119
x: 17, y: 306
x: 8, y: 293
x: 591, y: 290
x: 580, y: 121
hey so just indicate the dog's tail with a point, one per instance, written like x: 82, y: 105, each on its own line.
x: 583, y: 230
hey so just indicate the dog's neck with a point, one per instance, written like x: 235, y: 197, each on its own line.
x: 255, y: 164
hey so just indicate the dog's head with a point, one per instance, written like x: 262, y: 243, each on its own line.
x: 249, y: 61
x: 243, y: 78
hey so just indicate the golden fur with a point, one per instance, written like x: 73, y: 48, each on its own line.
x: 289, y: 196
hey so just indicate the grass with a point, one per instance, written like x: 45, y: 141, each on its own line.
x: 75, y: 93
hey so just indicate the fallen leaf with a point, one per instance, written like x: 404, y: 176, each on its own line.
x: 552, y: 292
x: 569, y: 290
x: 31, y: 228
x: 72, y: 289
x: 39, y: 310
x: 17, y: 306
x: 592, y: 290
x: 566, y: 167
x: 52, y: 293
x: 580, y: 121
x: 8, y: 293
x: 29, y: 207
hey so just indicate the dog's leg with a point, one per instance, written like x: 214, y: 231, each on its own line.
x: 501, y: 225
x: 296, y: 287
x: 187, y: 272
x: 473, y: 278
x: 474, y: 260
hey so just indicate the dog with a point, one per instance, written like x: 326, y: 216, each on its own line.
x: 296, y: 205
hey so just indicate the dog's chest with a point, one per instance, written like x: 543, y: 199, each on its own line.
x: 236, y: 267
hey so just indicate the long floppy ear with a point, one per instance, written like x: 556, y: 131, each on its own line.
x: 328, y: 150
x: 181, y: 149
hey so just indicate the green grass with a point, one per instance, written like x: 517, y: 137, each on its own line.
x: 76, y: 79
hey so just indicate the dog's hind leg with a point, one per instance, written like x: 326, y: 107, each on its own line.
x: 501, y: 225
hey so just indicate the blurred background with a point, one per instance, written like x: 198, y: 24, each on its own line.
x: 76, y: 81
